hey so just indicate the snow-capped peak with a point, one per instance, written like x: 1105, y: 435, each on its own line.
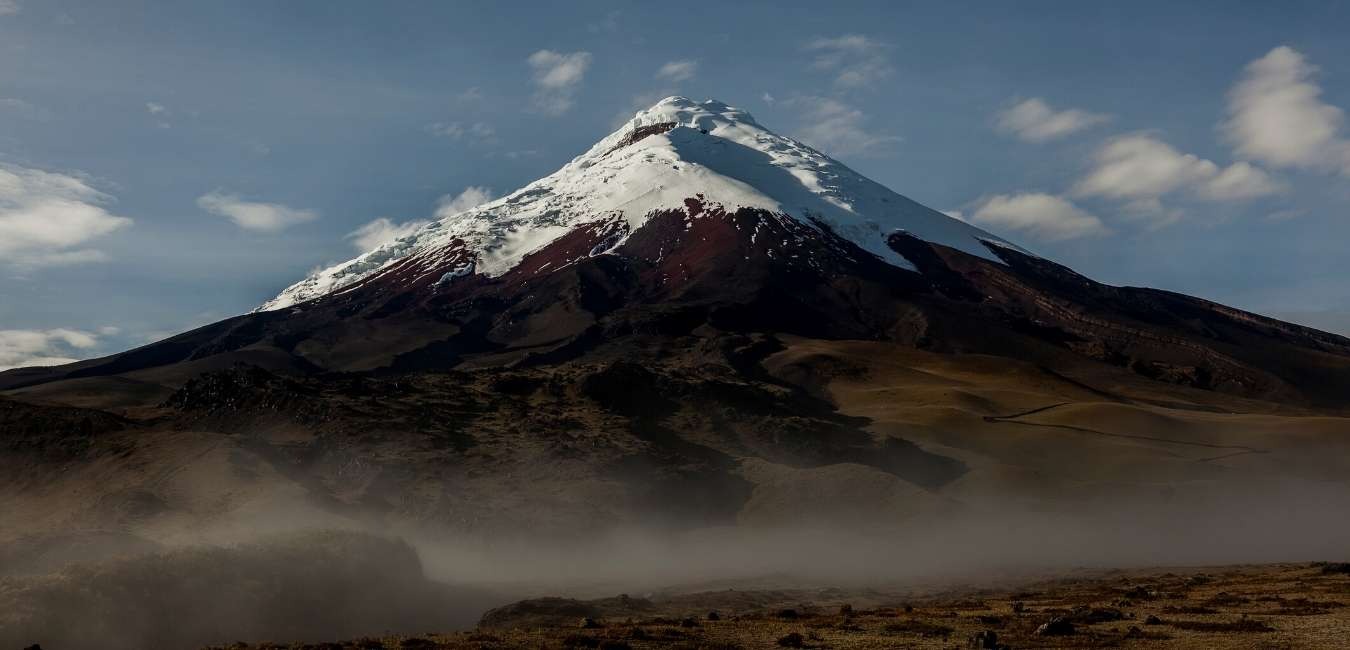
x: 675, y: 150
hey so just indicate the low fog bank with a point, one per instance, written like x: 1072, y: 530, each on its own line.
x: 258, y: 581
x: 985, y: 543
x: 304, y: 586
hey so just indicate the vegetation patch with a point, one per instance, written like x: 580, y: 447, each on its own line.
x: 1240, y: 625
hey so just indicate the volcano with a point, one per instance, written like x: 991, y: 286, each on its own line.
x: 697, y: 321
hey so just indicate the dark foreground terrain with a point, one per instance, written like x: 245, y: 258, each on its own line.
x: 1269, y: 606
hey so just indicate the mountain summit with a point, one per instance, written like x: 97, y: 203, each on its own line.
x: 696, y: 322
x: 693, y: 223
x: 668, y: 155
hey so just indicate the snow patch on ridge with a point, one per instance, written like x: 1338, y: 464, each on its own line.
x: 712, y: 150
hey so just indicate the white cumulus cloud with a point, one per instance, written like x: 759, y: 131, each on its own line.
x: 1043, y: 216
x: 46, y: 218
x: 1238, y: 182
x: 677, y: 71
x: 1033, y: 120
x: 472, y: 197
x: 556, y: 76
x: 1277, y: 116
x: 1140, y: 169
x: 23, y: 348
x: 457, y: 131
x: 382, y: 231
x: 254, y: 215
x: 19, y: 108
x: 838, y: 128
x: 856, y: 60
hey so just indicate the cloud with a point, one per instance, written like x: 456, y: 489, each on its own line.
x: 1033, y: 120
x: 159, y: 110
x: 23, y: 109
x: 677, y: 71
x: 472, y: 197
x: 768, y: 99
x: 470, y: 95
x: 557, y: 70
x: 607, y: 25
x: 556, y: 78
x: 1286, y: 215
x: 9, y: 7
x: 251, y: 215
x: 23, y: 348
x: 46, y: 217
x: 456, y: 131
x: 1044, y: 216
x: 382, y: 231
x: 837, y: 128
x: 1276, y: 115
x: 1140, y: 169
x: 1141, y: 166
x: 452, y: 130
x: 64, y: 258
x: 1239, y: 182
x: 855, y: 59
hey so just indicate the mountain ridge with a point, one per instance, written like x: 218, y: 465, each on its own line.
x: 694, y: 216
x: 706, y: 363
x: 675, y: 150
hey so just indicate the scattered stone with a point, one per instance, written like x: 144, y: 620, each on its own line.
x: 788, y: 614
x: 1225, y: 599
x: 919, y: 627
x: 588, y: 623
x: 1018, y: 607
x: 1153, y: 620
x: 986, y: 640
x: 1243, y: 624
x: 1134, y: 633
x: 688, y: 622
x: 714, y: 616
x: 1057, y: 626
x: 1089, y: 615
x: 793, y: 640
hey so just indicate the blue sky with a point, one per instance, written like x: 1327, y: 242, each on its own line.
x: 164, y: 165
